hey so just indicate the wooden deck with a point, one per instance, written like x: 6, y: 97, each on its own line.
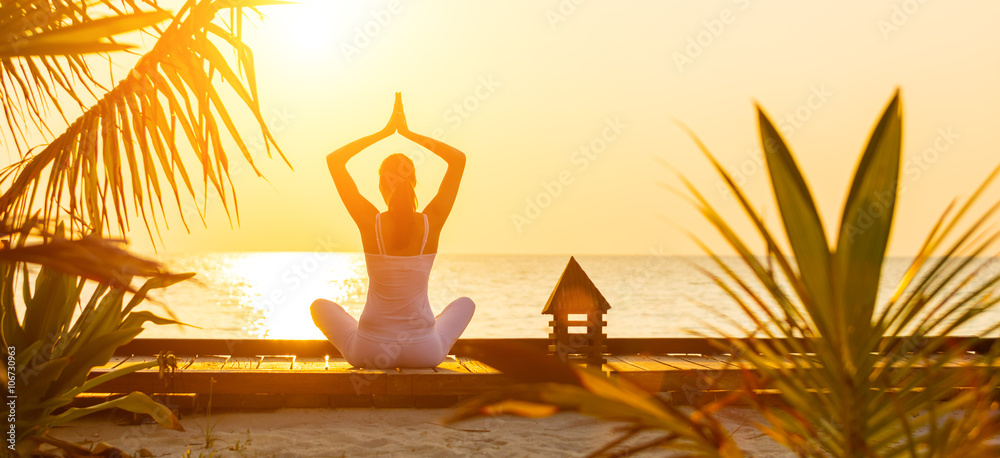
x: 249, y: 374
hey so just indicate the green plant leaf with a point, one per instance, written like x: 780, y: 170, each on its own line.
x: 802, y: 222
x: 848, y: 390
x: 867, y: 220
x: 134, y: 402
x: 95, y: 352
x: 51, y: 307
x: 137, y: 319
x: 161, y: 281
x: 97, y: 381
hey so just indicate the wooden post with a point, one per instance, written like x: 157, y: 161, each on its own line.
x: 576, y: 294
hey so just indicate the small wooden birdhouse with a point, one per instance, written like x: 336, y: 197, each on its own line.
x: 576, y: 303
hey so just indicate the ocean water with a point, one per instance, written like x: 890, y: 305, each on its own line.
x: 267, y: 294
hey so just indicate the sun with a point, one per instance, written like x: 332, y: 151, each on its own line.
x: 309, y: 26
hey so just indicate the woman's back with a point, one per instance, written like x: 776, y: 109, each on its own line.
x: 397, y: 301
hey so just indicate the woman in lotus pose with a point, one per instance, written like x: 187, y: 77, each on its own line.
x: 397, y: 327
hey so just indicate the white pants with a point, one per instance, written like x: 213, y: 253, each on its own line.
x: 342, y: 330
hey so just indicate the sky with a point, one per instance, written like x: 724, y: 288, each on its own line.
x: 567, y: 111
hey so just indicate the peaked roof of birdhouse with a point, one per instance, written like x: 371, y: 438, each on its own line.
x: 575, y: 293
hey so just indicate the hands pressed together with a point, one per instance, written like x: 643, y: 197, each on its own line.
x: 397, y: 121
x: 397, y: 124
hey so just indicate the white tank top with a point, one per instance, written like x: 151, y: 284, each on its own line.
x: 397, y: 308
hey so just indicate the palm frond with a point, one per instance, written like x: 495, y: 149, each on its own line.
x: 135, y: 139
x: 99, y: 259
x: 42, y: 55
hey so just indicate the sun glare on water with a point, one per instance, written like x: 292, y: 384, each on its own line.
x: 281, y: 287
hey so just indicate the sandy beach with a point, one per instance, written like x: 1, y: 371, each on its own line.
x: 386, y: 432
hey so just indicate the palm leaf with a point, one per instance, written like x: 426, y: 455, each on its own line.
x: 44, y: 42
x: 81, y: 38
x: 152, y: 107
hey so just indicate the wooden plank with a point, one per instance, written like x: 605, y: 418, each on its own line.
x: 965, y: 360
x: 705, y: 362
x: 276, y: 363
x: 676, y: 362
x: 114, y: 362
x: 728, y: 362
x: 651, y: 381
x: 476, y: 367
x: 254, y: 347
x: 646, y: 373
x: 242, y: 363
x: 618, y: 365
x: 910, y: 344
x: 235, y: 347
x: 249, y: 382
x: 310, y: 364
x: 244, y: 401
x: 339, y: 364
x: 960, y: 362
x: 737, y: 362
x: 137, y: 359
x: 451, y: 365
x: 121, y: 362
x: 417, y: 370
x: 404, y: 387
x: 579, y: 323
x: 207, y: 363
x: 399, y: 383
x: 645, y: 362
x: 320, y: 348
x: 696, y: 373
x: 358, y: 381
x: 456, y: 383
x: 184, y: 361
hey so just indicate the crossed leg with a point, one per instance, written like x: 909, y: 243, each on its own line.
x: 341, y: 329
x: 453, y: 320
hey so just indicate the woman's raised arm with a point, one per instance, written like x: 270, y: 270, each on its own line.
x: 360, y: 209
x: 440, y: 206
